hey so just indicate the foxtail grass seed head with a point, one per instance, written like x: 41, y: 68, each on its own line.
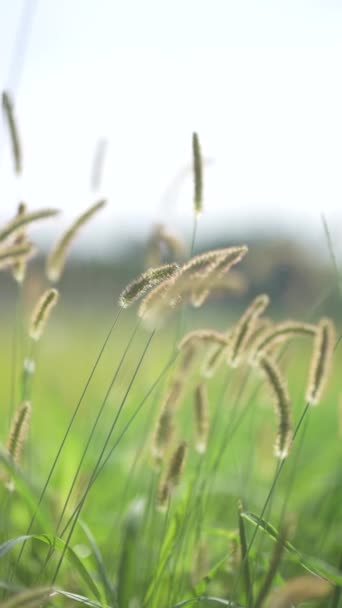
x: 19, y: 267
x: 172, y: 477
x: 164, y: 298
x: 18, y: 432
x: 216, y: 281
x: 164, y: 432
x: 158, y: 303
x: 42, y: 312
x: 8, y: 109
x: 151, y: 278
x: 278, y: 334
x: 207, y: 336
x: 198, y: 173
x: 202, y: 265
x: 213, y: 359
x: 57, y: 256
x: 321, y: 360
x: 16, y: 253
x: 282, y: 405
x: 244, y: 328
x: 201, y: 417
x: 24, y: 219
x: 298, y: 590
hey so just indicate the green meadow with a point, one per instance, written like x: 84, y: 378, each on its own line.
x: 130, y: 476
x: 123, y: 551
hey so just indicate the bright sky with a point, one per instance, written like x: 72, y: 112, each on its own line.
x: 259, y: 80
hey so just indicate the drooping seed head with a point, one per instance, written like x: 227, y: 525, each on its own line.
x: 172, y: 477
x: 201, y: 417
x: 151, y: 278
x: 203, y: 335
x: 164, y: 431
x: 278, y: 334
x: 8, y: 109
x: 213, y: 359
x: 42, y: 312
x: 12, y: 227
x: 19, y: 266
x: 198, y: 173
x: 282, y: 405
x: 202, y: 266
x: 57, y: 256
x: 18, y: 432
x: 244, y: 328
x: 321, y: 361
x: 216, y: 281
x: 16, y: 253
x: 159, y: 303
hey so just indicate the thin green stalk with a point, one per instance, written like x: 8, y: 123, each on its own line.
x: 98, y: 462
x: 121, y: 435
x: 62, y: 444
x: 278, y: 471
x: 90, y: 437
x: 94, y: 426
x: 245, y: 560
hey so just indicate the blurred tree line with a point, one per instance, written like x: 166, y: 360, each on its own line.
x: 299, y: 283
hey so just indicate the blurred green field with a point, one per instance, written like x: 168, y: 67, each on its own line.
x: 120, y: 508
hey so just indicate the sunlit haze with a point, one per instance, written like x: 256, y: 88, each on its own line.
x: 259, y: 81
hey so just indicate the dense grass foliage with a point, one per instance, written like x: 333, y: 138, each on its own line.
x: 133, y: 553
x: 132, y: 478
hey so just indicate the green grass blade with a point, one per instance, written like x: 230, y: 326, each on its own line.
x: 312, y: 564
x: 58, y: 544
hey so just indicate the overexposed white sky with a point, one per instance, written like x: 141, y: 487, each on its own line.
x: 260, y: 81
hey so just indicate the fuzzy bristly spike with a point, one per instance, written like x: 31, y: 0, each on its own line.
x: 164, y: 431
x: 18, y: 432
x: 172, y: 477
x: 16, y: 253
x: 213, y: 359
x: 8, y: 108
x: 42, y: 312
x: 282, y: 404
x: 151, y: 278
x: 164, y: 298
x: 243, y: 329
x: 19, y: 266
x: 278, y: 334
x: 24, y: 219
x: 216, y: 282
x: 201, y: 417
x: 203, y: 335
x: 198, y: 173
x: 57, y: 256
x: 158, y: 303
x: 321, y: 361
x: 202, y: 265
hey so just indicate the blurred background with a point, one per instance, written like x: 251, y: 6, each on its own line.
x: 107, y: 95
